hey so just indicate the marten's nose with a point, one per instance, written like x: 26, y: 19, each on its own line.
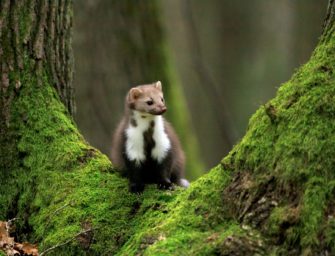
x: 163, y: 109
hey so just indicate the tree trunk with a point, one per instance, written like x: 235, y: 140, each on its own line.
x: 273, y: 194
x: 35, y: 52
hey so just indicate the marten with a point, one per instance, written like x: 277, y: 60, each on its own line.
x: 145, y: 147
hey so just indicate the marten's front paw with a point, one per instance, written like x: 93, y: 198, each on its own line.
x: 136, y: 187
x: 165, y: 185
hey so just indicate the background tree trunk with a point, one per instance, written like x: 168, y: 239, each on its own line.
x: 273, y: 193
x: 236, y: 77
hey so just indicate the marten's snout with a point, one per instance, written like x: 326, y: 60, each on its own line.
x: 163, y: 109
x: 160, y: 110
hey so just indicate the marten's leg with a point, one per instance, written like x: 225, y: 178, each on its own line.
x: 165, y: 184
x: 135, y: 174
x: 164, y: 175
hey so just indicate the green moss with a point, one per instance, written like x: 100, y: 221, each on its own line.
x: 330, y: 233
x: 190, y: 218
x: 278, y: 217
x: 314, y: 203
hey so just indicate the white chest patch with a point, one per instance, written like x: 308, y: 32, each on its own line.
x: 162, y: 142
x: 135, y: 140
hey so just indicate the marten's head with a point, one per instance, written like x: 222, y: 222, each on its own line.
x: 147, y: 99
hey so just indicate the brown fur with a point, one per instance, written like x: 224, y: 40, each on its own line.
x: 137, y: 99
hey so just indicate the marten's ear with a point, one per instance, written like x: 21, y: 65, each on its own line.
x: 134, y: 94
x: 158, y: 85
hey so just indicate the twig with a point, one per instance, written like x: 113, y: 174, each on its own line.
x: 9, y: 223
x: 65, y: 243
x: 56, y: 211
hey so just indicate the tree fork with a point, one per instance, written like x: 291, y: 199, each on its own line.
x: 273, y: 194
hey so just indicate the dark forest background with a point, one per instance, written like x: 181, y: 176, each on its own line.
x: 228, y: 57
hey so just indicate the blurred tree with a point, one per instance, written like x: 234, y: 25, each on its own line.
x: 244, y: 53
x: 120, y: 44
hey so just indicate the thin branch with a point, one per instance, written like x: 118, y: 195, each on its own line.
x: 9, y: 223
x: 55, y: 212
x: 66, y: 242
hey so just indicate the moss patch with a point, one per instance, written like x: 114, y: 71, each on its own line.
x: 192, y: 221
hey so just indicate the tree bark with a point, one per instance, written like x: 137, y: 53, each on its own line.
x: 39, y: 31
x: 273, y: 193
x: 329, y: 20
x: 34, y: 36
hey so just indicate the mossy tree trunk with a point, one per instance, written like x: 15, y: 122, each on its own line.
x: 35, y: 52
x: 34, y: 39
x: 273, y: 194
x: 282, y: 188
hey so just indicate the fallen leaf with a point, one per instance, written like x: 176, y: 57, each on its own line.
x: 12, y: 248
x: 27, y: 248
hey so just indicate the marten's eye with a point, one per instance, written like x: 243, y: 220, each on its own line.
x: 162, y: 99
x: 150, y: 102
